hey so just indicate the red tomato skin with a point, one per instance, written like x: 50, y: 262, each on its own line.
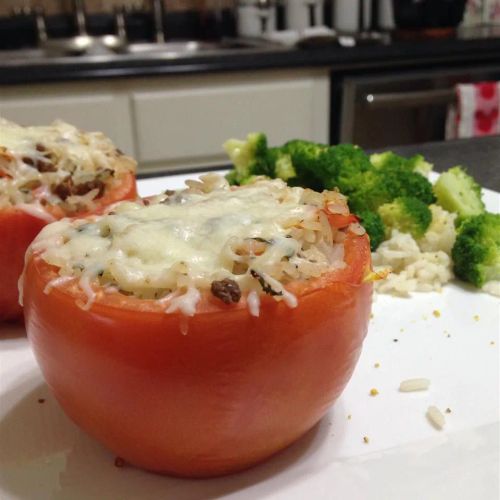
x: 226, y: 395
x: 18, y: 229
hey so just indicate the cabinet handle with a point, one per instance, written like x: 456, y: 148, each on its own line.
x: 409, y: 99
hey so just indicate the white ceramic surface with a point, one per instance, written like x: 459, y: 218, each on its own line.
x: 44, y: 456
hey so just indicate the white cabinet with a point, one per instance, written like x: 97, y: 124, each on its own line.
x: 177, y: 122
x: 187, y: 124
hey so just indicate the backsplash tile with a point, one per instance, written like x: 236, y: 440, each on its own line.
x: 94, y: 6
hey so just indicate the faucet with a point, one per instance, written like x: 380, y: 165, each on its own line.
x: 158, y: 11
x: 80, y: 21
x: 41, y: 26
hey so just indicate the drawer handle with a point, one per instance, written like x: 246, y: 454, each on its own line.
x: 409, y: 99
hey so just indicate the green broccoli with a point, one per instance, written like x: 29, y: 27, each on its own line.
x: 476, y: 252
x: 456, y: 191
x: 420, y: 165
x: 283, y: 167
x: 325, y: 167
x: 310, y: 162
x: 379, y: 160
x: 249, y: 157
x: 374, y: 226
x: 382, y: 185
x: 367, y: 181
x: 351, y: 163
x: 416, y: 163
x: 407, y: 214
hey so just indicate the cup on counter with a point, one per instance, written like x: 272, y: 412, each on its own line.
x: 346, y: 15
x: 386, y: 14
x: 255, y: 20
x: 303, y: 14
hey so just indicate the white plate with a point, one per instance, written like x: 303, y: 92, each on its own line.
x: 44, y: 456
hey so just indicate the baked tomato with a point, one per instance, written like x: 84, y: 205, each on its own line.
x: 205, y: 395
x: 18, y: 228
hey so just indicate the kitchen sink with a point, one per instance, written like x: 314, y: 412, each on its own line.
x: 186, y: 48
x: 29, y: 54
x: 170, y: 50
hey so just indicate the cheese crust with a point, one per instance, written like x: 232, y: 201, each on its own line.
x: 56, y: 165
x: 250, y: 240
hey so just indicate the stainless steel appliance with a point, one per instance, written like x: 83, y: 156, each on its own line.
x: 386, y: 109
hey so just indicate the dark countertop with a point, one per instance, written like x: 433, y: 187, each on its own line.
x: 471, y: 47
x: 481, y: 157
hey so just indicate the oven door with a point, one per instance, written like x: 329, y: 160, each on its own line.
x: 401, y: 108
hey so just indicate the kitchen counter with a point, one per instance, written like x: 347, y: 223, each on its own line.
x: 473, y: 46
x: 481, y: 157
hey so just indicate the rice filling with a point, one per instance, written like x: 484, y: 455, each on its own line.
x: 249, y: 241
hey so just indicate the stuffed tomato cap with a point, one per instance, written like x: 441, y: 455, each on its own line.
x: 201, y: 331
x: 47, y: 173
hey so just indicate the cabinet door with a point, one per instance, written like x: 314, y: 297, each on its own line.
x: 103, y: 112
x: 186, y: 122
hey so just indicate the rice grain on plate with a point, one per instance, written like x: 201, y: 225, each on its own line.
x: 436, y: 417
x: 414, y: 384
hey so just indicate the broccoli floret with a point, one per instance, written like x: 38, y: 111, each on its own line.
x: 458, y: 192
x: 374, y: 226
x: 407, y: 214
x: 310, y: 163
x: 379, y: 160
x: 325, y: 167
x: 416, y: 163
x: 351, y: 163
x: 476, y: 253
x: 283, y: 167
x: 382, y: 185
x: 419, y: 164
x: 249, y: 157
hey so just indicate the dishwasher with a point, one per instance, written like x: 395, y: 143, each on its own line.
x: 397, y: 108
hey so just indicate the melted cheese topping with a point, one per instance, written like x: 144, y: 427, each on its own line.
x: 260, y: 236
x: 34, y: 161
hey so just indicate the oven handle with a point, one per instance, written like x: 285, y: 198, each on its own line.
x: 409, y: 99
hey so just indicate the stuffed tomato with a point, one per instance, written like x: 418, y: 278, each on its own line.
x: 47, y: 173
x: 201, y: 331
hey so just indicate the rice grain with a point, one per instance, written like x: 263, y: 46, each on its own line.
x: 414, y: 384
x: 436, y: 418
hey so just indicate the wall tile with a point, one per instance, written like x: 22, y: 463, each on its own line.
x: 92, y: 6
